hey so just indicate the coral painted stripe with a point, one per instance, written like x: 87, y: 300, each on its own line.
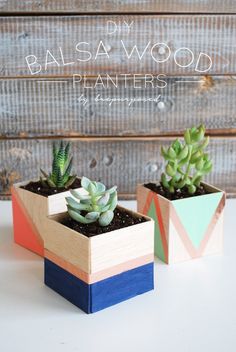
x: 161, y: 227
x: 25, y: 232
x: 147, y: 203
x: 101, y: 275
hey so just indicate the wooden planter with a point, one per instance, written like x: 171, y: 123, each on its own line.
x: 97, y: 272
x: 30, y: 211
x: 186, y: 228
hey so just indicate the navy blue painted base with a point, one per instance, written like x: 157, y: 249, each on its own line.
x: 102, y: 294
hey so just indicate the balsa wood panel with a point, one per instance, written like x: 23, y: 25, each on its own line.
x: 30, y: 108
x: 121, y: 246
x: 121, y: 161
x: 101, y: 252
x: 97, y: 6
x: 210, y: 34
x: 67, y: 244
x: 38, y: 207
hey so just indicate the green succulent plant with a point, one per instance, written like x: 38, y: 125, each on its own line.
x: 61, y: 168
x: 92, y: 203
x: 187, y: 161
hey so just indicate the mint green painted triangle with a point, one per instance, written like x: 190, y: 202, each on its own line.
x: 159, y: 252
x: 196, y: 213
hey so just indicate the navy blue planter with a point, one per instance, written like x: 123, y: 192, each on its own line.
x: 102, y: 294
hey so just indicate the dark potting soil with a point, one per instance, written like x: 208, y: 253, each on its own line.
x: 121, y: 219
x: 37, y: 187
x: 179, y: 194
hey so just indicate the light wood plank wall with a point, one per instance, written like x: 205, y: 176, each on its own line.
x: 122, y: 6
x: 118, y: 144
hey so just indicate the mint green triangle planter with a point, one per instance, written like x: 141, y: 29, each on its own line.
x: 196, y: 213
x: 186, y: 228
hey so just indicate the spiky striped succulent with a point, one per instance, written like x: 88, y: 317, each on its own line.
x: 187, y: 162
x: 61, y: 168
x: 92, y: 203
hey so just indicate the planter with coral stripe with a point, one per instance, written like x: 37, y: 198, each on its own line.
x: 30, y: 211
x: 99, y: 271
x: 185, y: 228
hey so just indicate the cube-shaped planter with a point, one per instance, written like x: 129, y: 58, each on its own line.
x: 97, y: 272
x: 185, y: 228
x: 30, y: 212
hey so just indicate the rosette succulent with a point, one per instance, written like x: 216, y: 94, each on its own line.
x: 61, y: 168
x: 187, y: 162
x: 92, y: 203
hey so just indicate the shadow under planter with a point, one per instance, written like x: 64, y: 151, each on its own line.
x: 97, y: 272
x: 185, y: 228
x: 30, y: 212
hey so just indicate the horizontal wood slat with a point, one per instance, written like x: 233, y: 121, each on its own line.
x: 30, y: 108
x: 120, y: 161
x: 23, y: 36
x: 96, y: 6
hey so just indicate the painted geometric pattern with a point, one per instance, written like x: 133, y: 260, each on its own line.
x: 25, y: 232
x: 195, y: 225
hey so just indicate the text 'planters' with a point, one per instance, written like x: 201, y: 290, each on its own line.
x: 97, y: 270
x: 33, y: 201
x: 188, y: 213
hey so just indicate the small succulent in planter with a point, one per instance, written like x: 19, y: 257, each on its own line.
x: 187, y: 162
x: 92, y: 203
x: 61, y: 168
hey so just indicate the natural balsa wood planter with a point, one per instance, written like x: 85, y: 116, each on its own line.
x: 30, y: 211
x: 99, y: 271
x: 185, y: 228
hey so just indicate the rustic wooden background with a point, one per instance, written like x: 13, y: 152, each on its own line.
x: 120, y: 144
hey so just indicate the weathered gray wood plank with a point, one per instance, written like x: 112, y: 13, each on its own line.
x: 29, y: 108
x: 210, y: 34
x: 120, y: 161
x: 96, y: 6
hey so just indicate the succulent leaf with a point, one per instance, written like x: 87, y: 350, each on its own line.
x: 100, y: 187
x: 85, y: 182
x: 77, y: 193
x: 170, y: 170
x: 106, y: 218
x: 78, y: 217
x: 171, y: 153
x: 104, y: 199
x: 76, y: 205
x: 187, y: 137
x: 93, y: 215
x: 183, y: 153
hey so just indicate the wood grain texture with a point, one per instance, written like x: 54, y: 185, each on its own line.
x: 97, y: 6
x: 67, y: 244
x: 23, y: 36
x: 29, y: 108
x: 121, y: 161
x: 102, y: 252
x: 122, y: 246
